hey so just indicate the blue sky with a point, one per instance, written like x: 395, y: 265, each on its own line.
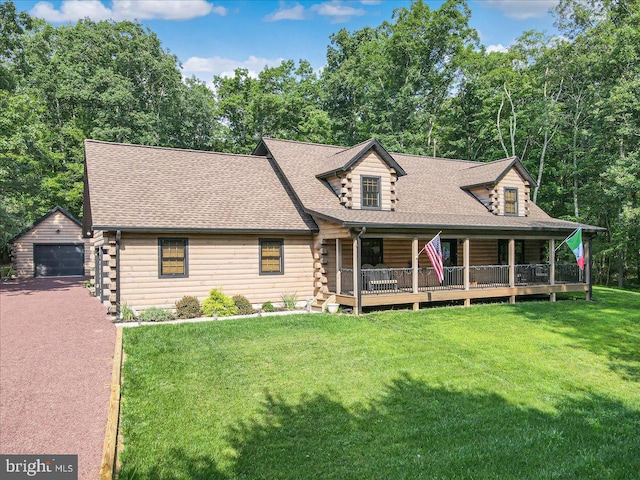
x: 215, y: 37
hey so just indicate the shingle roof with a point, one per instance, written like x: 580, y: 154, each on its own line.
x: 430, y: 193
x: 492, y: 172
x: 346, y: 158
x: 141, y: 187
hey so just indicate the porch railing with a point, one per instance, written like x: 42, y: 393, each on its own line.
x: 391, y: 280
x: 453, y: 279
x: 569, y: 273
x: 483, y: 276
x: 346, y: 281
x: 386, y: 280
x: 532, y: 274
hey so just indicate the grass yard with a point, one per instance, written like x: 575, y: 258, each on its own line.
x: 526, y: 391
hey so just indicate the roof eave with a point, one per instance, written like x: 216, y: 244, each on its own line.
x: 151, y: 229
x: 413, y: 226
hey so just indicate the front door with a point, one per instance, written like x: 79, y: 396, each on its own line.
x: 449, y: 253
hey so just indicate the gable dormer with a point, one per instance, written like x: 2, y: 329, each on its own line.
x: 503, y: 186
x: 364, y: 177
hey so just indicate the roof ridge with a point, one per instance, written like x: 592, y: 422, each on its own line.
x: 429, y: 157
x: 492, y: 162
x: 173, y: 149
x: 357, y: 145
x: 307, y: 143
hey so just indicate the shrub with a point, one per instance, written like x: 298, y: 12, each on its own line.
x: 268, y: 307
x: 289, y: 300
x: 220, y: 303
x: 188, y: 307
x: 126, y: 313
x: 155, y: 314
x: 243, y: 305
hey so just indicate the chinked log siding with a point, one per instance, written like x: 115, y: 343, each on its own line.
x: 228, y: 262
x: 373, y: 165
x: 512, y: 180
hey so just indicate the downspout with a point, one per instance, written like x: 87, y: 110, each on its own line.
x: 118, y: 236
x: 359, y: 274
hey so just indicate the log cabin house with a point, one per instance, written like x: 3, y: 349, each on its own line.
x: 333, y: 224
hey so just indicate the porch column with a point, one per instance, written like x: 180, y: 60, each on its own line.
x: 414, y: 269
x: 552, y: 267
x: 587, y: 266
x: 512, y: 267
x: 338, y: 266
x: 356, y: 274
x: 465, y: 264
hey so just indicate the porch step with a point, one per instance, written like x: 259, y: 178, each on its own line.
x: 321, y: 301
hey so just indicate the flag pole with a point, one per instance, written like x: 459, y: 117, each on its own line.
x: 425, y: 245
x: 565, y: 240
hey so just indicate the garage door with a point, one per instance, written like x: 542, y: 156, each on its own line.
x: 58, y: 260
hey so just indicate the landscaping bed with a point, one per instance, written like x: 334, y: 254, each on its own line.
x: 533, y: 390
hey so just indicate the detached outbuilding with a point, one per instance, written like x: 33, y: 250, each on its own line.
x: 52, y: 247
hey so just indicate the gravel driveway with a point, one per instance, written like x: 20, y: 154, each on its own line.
x: 56, y: 347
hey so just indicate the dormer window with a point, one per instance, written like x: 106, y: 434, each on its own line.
x: 371, y: 192
x: 511, y: 201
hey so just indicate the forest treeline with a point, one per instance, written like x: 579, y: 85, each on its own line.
x: 421, y: 83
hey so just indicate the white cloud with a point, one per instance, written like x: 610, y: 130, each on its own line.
x: 522, y: 9
x: 225, y: 67
x: 371, y: 2
x: 292, y: 13
x: 72, y: 10
x: 497, y: 48
x: 340, y: 13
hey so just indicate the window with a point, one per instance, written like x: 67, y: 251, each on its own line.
x: 371, y: 192
x: 372, y: 251
x: 173, y: 257
x: 503, y: 252
x: 271, y: 256
x: 511, y: 201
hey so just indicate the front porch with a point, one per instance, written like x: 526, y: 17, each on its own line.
x: 391, y: 286
x: 351, y: 282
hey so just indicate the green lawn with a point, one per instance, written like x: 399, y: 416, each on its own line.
x: 533, y: 390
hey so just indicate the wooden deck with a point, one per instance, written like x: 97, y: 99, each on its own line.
x: 401, y: 298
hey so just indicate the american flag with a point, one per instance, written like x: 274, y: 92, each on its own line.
x: 434, y: 251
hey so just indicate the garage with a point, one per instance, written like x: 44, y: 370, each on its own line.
x: 51, y: 247
x: 58, y: 260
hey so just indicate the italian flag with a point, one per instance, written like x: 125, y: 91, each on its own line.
x: 575, y: 243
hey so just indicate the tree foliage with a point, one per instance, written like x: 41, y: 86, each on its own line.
x: 568, y: 107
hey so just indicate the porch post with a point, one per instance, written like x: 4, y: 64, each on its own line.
x: 552, y: 267
x: 587, y: 266
x: 338, y: 266
x: 414, y: 269
x: 465, y: 263
x: 512, y: 267
x: 356, y: 274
